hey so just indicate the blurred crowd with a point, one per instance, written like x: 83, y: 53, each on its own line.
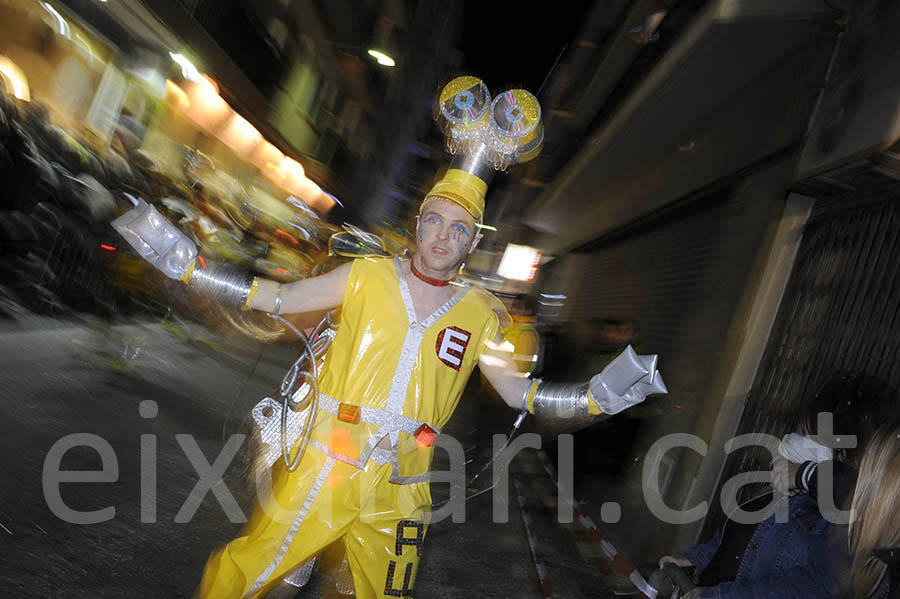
x: 59, y: 253
x: 88, y: 128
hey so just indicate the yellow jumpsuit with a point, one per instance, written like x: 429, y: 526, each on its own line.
x: 385, y: 374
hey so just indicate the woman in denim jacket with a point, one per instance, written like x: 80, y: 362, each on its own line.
x: 801, y: 558
x: 805, y: 555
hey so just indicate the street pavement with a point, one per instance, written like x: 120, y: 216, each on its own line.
x: 143, y: 381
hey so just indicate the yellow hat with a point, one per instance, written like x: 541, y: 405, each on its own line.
x: 463, y: 188
x: 484, y: 135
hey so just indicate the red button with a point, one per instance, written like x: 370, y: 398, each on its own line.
x: 347, y: 412
x: 425, y: 435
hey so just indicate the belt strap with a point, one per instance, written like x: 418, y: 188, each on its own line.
x: 388, y: 421
x: 389, y: 424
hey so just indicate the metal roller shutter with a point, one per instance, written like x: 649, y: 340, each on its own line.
x: 840, y: 313
x: 667, y: 277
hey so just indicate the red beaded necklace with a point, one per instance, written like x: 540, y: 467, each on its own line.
x: 426, y: 278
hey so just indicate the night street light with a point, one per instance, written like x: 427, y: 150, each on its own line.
x: 382, y: 58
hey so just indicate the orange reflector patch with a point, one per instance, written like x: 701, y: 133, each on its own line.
x: 349, y: 413
x: 202, y: 262
x: 110, y: 248
x: 425, y: 435
x: 340, y: 440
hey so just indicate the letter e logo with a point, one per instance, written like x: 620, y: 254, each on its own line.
x: 451, y: 346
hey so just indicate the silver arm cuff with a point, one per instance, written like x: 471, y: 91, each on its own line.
x: 563, y: 406
x: 223, y: 282
x: 277, y: 309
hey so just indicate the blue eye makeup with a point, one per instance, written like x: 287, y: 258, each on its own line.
x: 460, y: 230
x: 457, y: 230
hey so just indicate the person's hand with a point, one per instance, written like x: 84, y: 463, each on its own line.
x: 681, y: 562
x: 783, y: 475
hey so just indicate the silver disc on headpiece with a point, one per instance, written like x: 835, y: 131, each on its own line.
x: 486, y: 135
x: 462, y: 112
x: 517, y: 128
x: 465, y: 101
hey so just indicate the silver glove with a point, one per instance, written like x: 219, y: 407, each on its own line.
x: 626, y: 381
x: 157, y: 240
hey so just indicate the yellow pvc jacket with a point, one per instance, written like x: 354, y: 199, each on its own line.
x: 382, y: 358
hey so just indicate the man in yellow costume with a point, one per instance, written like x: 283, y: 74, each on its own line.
x: 408, y: 340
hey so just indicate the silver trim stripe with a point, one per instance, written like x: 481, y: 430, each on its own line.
x: 360, y: 463
x: 380, y: 456
x: 413, y: 341
x: 295, y: 526
x: 404, y: 292
x: 410, y: 350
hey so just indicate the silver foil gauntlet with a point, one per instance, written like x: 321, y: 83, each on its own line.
x: 562, y: 404
x: 223, y: 282
x: 167, y: 248
x: 626, y: 381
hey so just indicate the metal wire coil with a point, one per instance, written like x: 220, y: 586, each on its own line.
x: 563, y: 405
x: 224, y: 282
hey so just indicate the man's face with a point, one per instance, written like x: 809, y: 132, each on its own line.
x: 445, y: 235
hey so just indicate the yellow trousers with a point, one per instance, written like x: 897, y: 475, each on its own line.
x: 382, y: 526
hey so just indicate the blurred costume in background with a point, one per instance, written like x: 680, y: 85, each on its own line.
x: 362, y: 446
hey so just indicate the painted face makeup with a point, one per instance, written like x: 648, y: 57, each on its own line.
x: 460, y: 232
x: 444, y: 235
